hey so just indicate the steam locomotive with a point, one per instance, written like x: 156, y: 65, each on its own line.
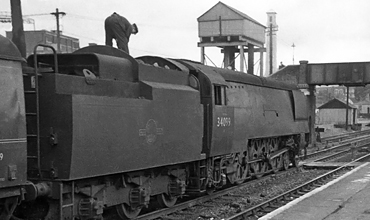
x: 97, y: 131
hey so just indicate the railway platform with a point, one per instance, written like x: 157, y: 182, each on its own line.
x: 345, y: 198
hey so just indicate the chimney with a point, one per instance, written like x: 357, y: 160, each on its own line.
x: 271, y: 48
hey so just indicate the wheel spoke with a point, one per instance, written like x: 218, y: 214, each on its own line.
x: 275, y: 164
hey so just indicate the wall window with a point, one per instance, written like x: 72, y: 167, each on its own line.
x: 49, y: 39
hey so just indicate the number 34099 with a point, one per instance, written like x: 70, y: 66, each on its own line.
x: 223, y: 121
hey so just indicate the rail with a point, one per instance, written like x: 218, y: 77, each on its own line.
x: 280, y: 200
x: 344, y: 144
x: 341, y: 137
x: 196, y: 201
x: 159, y: 214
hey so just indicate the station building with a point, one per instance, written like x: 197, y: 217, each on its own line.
x: 334, y: 112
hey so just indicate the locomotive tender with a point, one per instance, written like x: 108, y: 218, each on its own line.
x: 98, y: 131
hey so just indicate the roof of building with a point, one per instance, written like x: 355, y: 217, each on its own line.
x: 232, y: 9
x: 49, y: 32
x: 336, y: 104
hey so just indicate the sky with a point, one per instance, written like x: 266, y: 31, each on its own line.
x: 323, y: 31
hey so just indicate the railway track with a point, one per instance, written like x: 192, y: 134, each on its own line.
x: 162, y: 214
x: 354, y: 142
x: 280, y: 200
x: 342, y: 137
x: 227, y: 196
x: 344, y: 147
x: 350, y: 149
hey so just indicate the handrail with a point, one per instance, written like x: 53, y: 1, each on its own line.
x: 38, y: 101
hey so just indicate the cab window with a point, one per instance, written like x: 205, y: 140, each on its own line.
x: 220, y: 95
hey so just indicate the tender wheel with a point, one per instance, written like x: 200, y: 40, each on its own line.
x: 126, y: 212
x: 165, y: 200
x: 286, y: 161
x: 7, y: 209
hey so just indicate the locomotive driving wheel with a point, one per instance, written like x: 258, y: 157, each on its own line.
x: 285, y: 160
x: 295, y: 161
x: 240, y: 169
x: 165, y: 200
x: 125, y: 211
x: 262, y: 169
x: 237, y: 176
x: 275, y: 164
x: 257, y: 151
x: 258, y: 168
x: 273, y: 147
x: 242, y: 173
x: 279, y: 162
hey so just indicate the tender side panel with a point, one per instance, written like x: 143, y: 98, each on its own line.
x: 118, y: 134
x: 55, y: 121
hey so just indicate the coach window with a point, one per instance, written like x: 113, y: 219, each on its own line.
x: 220, y: 95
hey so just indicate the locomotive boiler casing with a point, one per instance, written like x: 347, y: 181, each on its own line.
x: 120, y: 121
x: 261, y: 112
x: 13, y: 148
x: 254, y: 108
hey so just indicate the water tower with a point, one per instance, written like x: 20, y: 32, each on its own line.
x: 233, y: 31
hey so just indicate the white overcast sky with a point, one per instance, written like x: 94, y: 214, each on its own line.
x: 322, y: 30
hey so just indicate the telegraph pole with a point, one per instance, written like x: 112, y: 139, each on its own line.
x: 271, y: 43
x: 293, y: 52
x: 56, y: 14
x: 271, y: 63
x: 347, y: 108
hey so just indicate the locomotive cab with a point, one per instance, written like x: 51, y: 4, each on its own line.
x: 13, y: 149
